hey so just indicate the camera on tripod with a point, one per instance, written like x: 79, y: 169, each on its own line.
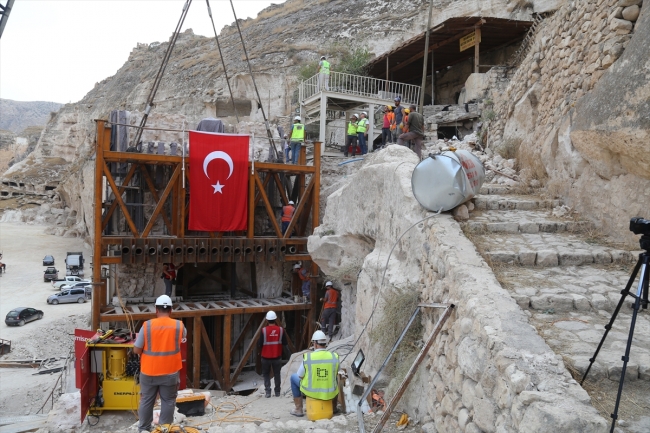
x: 640, y: 226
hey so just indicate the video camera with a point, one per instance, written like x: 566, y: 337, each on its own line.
x: 640, y: 226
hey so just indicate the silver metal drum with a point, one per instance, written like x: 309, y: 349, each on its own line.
x: 446, y: 180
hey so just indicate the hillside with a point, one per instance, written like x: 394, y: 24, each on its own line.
x: 18, y: 115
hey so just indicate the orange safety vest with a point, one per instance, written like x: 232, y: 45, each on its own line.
x: 161, y: 353
x: 333, y: 297
x: 272, y: 342
x: 287, y: 213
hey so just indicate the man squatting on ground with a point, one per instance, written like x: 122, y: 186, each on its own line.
x: 415, y: 131
x: 159, y: 346
x: 317, y: 376
x: 270, y: 345
x: 329, y: 309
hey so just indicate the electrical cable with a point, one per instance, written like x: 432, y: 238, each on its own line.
x: 259, y: 99
x: 374, y: 307
x: 225, y: 72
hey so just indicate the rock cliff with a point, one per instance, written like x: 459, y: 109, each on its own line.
x: 18, y: 115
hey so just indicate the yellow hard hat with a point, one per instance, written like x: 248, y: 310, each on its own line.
x: 390, y: 107
x: 407, y: 111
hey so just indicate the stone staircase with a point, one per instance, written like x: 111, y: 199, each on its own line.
x: 568, y: 278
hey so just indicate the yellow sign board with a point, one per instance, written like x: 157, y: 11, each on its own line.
x: 469, y: 41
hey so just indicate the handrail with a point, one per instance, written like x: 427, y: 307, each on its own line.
x: 358, y: 85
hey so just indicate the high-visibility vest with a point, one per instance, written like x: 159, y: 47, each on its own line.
x: 272, y: 341
x: 321, y: 369
x: 325, y: 67
x: 333, y: 297
x: 287, y: 212
x: 352, y: 128
x: 161, y: 353
x: 361, y: 127
x: 298, y: 132
x: 171, y: 270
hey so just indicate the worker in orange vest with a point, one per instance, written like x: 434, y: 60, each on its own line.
x: 287, y: 214
x: 270, y: 345
x: 159, y: 345
x: 329, y: 309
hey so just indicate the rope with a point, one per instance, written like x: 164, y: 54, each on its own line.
x: 223, y: 63
x: 259, y: 99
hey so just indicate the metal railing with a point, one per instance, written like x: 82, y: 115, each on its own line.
x: 368, y: 87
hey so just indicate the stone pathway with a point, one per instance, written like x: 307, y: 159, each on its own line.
x: 568, y: 279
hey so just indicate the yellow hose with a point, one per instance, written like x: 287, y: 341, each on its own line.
x: 172, y: 428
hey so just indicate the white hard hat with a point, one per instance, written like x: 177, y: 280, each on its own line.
x: 323, y: 57
x: 285, y: 135
x: 296, y: 266
x: 355, y: 115
x: 319, y: 337
x: 164, y: 301
x: 328, y: 284
x: 271, y: 315
x: 291, y: 202
x: 364, y: 113
x: 297, y: 118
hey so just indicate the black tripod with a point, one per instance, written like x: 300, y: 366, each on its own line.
x: 640, y: 300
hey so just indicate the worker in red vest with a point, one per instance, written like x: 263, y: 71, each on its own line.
x: 287, y: 214
x: 270, y: 345
x: 329, y: 309
x: 159, y: 345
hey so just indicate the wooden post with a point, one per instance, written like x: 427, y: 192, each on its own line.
x: 477, y: 39
x: 227, y: 329
x: 196, y: 352
x: 426, y: 53
x: 189, y: 362
x: 251, y: 204
x: 97, y: 246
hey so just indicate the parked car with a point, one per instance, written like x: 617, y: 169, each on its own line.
x: 20, y: 316
x: 48, y: 260
x: 50, y: 274
x: 77, y: 285
x: 67, y: 296
x: 67, y: 281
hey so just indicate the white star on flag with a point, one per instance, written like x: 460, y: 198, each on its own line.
x: 217, y: 188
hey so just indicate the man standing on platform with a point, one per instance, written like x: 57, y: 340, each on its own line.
x: 323, y: 74
x: 362, y: 132
x: 329, y: 309
x: 303, y: 273
x: 317, y: 375
x: 270, y: 345
x: 159, y: 345
x: 169, y: 276
x: 297, y: 139
x: 287, y: 214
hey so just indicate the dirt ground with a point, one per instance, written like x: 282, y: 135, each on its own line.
x: 23, y: 247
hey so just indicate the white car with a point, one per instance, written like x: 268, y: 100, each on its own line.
x: 67, y: 281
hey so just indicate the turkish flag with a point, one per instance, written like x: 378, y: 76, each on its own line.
x: 218, y: 182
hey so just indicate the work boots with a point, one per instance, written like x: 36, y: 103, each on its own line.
x: 298, y: 410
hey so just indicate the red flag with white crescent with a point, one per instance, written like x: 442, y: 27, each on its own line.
x: 218, y: 182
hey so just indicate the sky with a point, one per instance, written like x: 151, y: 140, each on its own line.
x: 56, y: 50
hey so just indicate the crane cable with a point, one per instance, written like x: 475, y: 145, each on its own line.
x: 259, y: 100
x: 161, y: 71
x: 223, y: 62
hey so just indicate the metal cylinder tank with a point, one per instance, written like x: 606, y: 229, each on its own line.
x: 446, y: 180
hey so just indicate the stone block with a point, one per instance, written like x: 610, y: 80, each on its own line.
x: 469, y: 393
x: 472, y: 428
x: 484, y: 415
x: 581, y: 303
x: 575, y: 258
x: 599, y: 302
x: 507, y: 204
x: 526, y: 205
x: 546, y: 258
x: 602, y: 257
x: 503, y: 257
x: 502, y: 227
x: 626, y: 3
x: 493, y: 204
x: 621, y: 27
x: 619, y: 256
x: 557, y: 303
x: 548, y: 227
x: 631, y: 13
x: 631, y: 372
x: 527, y: 258
x: 522, y: 300
x: 529, y: 227
x: 461, y: 212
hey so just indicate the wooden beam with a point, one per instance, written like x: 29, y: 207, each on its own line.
x: 120, y: 202
x: 111, y: 208
x: 145, y: 158
x: 267, y: 204
x: 251, y: 207
x: 264, y: 185
x: 283, y: 193
x: 248, y: 352
x: 283, y: 168
x: 97, y: 302
x: 298, y: 212
x: 418, y: 56
x: 154, y: 194
x: 212, y: 358
x: 196, y: 349
x: 161, y: 203
x: 242, y: 335
x: 227, y: 331
x: 477, y: 38
x: 189, y: 362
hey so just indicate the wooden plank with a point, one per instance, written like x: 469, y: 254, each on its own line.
x: 106, y: 260
x: 111, y: 208
x: 189, y: 361
x: 297, y: 257
x: 142, y: 158
x: 299, y: 209
x: 120, y: 202
x: 161, y: 202
x: 196, y: 349
x: 227, y: 331
x: 269, y: 208
x: 212, y: 358
x: 284, y: 168
x: 248, y: 352
x: 242, y: 335
x: 154, y: 194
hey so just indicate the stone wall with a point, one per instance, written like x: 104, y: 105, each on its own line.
x: 577, y: 106
x: 489, y: 370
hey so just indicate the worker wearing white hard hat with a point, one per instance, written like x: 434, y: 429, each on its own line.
x: 287, y: 213
x: 330, y: 307
x: 351, y: 137
x: 362, y: 132
x: 323, y: 74
x: 159, y: 345
x: 305, y: 277
x: 297, y: 138
x: 270, y: 345
x: 317, y: 376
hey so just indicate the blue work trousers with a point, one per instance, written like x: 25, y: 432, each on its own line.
x: 295, y: 151
x: 362, y: 142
